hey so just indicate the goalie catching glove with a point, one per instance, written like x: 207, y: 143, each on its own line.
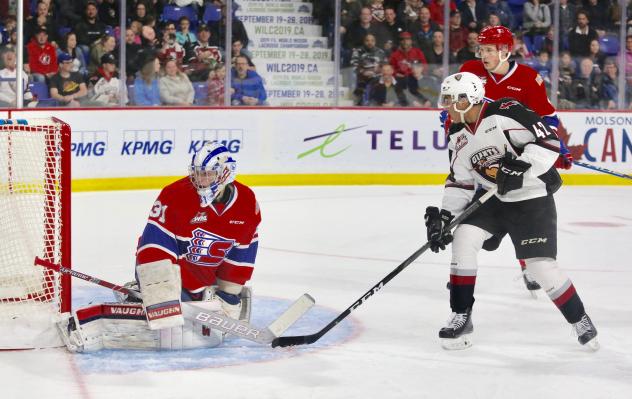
x: 437, y: 228
x: 510, y: 173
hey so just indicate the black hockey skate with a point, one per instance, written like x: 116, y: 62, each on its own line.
x: 456, y: 334
x: 586, y: 332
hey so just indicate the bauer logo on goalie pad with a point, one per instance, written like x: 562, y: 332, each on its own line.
x: 213, y: 320
x: 207, y: 249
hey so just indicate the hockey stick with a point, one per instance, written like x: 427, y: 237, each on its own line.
x: 310, y: 339
x: 602, y: 170
x: 217, y: 321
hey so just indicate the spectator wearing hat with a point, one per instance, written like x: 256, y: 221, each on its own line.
x: 423, y: 28
x: 67, y: 87
x: 205, y: 55
x: 42, y: 57
x: 90, y: 29
x: 146, y: 88
x: 405, y: 54
x: 366, y: 61
x: 105, y: 85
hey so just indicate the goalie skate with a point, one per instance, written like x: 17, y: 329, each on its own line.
x: 456, y: 335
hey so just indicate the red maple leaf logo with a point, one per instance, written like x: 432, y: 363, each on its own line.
x: 577, y: 151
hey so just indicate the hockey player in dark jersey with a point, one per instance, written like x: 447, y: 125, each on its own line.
x: 503, y: 77
x: 505, y: 145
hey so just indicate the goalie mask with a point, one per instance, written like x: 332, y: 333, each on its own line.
x: 211, y: 169
x: 461, y: 88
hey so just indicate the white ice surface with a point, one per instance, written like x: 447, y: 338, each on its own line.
x: 335, y: 243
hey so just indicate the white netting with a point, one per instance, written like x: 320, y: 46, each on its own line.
x: 30, y: 217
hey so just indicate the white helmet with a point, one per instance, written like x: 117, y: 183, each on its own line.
x: 211, y: 169
x: 461, y: 87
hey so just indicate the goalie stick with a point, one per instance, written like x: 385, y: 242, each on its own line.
x: 310, y: 339
x: 602, y: 170
x: 217, y: 321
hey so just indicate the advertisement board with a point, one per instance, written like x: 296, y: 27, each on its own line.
x: 304, y: 146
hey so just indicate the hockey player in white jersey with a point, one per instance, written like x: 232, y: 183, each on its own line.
x: 505, y: 145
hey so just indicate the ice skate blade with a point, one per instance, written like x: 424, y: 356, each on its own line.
x: 592, y: 345
x: 534, y: 294
x: 454, y: 344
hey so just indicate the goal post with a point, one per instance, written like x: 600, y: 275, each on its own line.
x: 35, y: 187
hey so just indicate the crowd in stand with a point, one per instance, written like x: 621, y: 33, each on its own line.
x: 395, y: 47
x: 174, y: 54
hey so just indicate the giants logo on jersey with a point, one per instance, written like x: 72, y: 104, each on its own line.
x: 485, y: 162
x: 207, y: 249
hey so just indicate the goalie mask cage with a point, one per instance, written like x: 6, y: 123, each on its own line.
x: 34, y: 221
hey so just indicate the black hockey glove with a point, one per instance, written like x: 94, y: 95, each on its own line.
x: 437, y: 228
x: 510, y: 173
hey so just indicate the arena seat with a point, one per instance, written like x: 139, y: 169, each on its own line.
x: 609, y: 44
x: 201, y: 93
x: 212, y: 13
x: 174, y: 13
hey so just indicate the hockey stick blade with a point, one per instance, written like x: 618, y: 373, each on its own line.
x: 243, y: 329
x: 310, y: 339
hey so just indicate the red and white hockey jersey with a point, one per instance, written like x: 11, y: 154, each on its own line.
x: 476, y: 150
x: 521, y: 82
x: 219, y: 241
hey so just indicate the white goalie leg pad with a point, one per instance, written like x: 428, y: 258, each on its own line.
x: 123, y: 326
x: 546, y: 273
x: 161, y: 286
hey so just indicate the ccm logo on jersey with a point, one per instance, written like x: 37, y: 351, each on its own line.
x: 207, y: 249
x: 514, y: 88
x: 538, y: 240
x: 237, y: 222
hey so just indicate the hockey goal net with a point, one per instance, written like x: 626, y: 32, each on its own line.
x: 34, y: 221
